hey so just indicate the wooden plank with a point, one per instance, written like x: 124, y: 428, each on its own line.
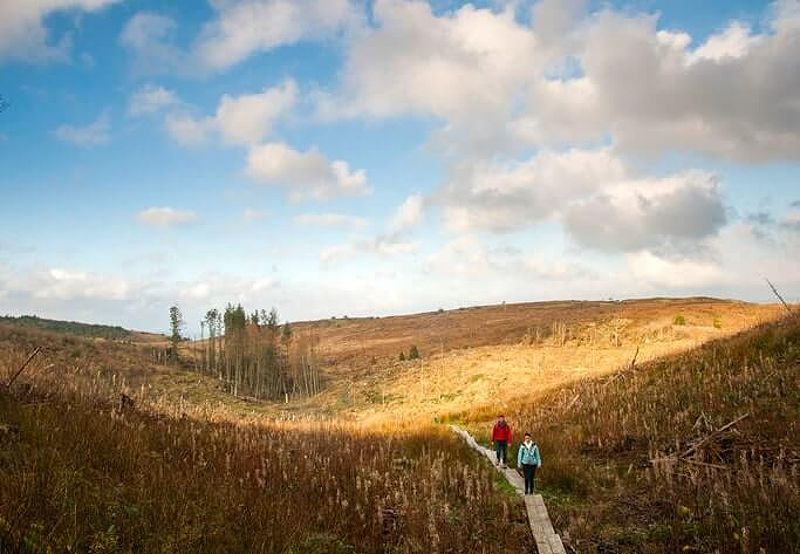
x: 547, y: 540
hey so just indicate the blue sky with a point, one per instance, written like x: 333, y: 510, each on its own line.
x: 330, y: 157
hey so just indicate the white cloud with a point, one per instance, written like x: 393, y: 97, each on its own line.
x: 240, y: 29
x: 734, y: 42
x: 58, y: 284
x: 498, y: 85
x: 674, y: 213
x: 166, y: 217
x: 93, y: 134
x: 600, y: 201
x: 408, y: 215
x: 465, y: 67
x: 23, y: 35
x: 150, y: 39
x: 243, y: 120
x: 245, y: 27
x: 151, y: 99
x: 247, y: 119
x: 330, y: 220
x: 678, y: 273
x: 508, y: 196
x: 736, y: 96
x: 306, y: 174
x: 188, y: 131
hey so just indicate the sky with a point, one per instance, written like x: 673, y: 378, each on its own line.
x: 337, y: 157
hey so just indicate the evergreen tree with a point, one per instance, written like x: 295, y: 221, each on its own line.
x: 176, y: 325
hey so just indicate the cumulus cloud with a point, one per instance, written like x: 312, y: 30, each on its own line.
x: 678, y: 273
x: 151, y: 99
x: 239, y: 29
x: 464, y: 67
x: 673, y: 213
x: 306, y: 174
x: 150, y: 38
x: 736, y: 95
x: 60, y: 284
x: 600, y: 201
x: 23, y: 35
x: 243, y: 120
x: 496, y: 83
x: 244, y: 27
x: 166, y: 217
x: 188, y: 131
x: 408, y: 215
x: 334, y: 220
x: 93, y: 134
x: 500, y: 196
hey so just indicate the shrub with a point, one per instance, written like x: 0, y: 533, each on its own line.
x: 413, y: 352
x: 679, y: 320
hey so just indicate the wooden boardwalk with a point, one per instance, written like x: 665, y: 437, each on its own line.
x: 547, y: 540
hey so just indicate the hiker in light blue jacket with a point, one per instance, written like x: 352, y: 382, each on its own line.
x: 529, y: 460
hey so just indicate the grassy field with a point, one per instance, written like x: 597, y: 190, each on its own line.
x: 362, y: 467
x: 80, y: 473
x: 494, y: 355
x: 642, y: 461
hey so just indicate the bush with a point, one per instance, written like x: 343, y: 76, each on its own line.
x: 679, y: 320
x: 413, y: 353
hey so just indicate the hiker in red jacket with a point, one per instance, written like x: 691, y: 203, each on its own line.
x: 501, y: 437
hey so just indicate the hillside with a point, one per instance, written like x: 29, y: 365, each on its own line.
x: 488, y: 356
x: 697, y: 452
x: 188, y: 464
x: 91, y: 330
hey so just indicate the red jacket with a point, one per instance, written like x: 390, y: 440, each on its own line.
x: 501, y: 432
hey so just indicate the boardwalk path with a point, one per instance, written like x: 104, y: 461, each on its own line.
x: 547, y: 541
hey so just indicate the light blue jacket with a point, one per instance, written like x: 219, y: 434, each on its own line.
x: 529, y: 456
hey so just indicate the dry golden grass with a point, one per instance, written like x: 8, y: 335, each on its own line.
x: 621, y: 472
x: 75, y: 455
x: 80, y: 473
x: 492, y: 356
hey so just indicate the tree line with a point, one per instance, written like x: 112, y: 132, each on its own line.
x: 254, y: 354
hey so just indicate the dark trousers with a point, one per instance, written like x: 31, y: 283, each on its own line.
x: 501, y: 449
x: 529, y: 471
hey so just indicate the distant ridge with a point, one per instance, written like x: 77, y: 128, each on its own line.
x: 68, y: 327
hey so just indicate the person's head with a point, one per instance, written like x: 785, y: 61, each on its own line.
x: 527, y: 437
x: 501, y: 419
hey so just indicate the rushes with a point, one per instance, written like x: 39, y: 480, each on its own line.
x: 83, y: 476
x: 644, y: 462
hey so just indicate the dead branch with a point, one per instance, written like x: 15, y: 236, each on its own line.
x: 22, y: 368
x: 704, y: 464
x: 713, y: 435
x: 775, y: 291
x: 631, y: 367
